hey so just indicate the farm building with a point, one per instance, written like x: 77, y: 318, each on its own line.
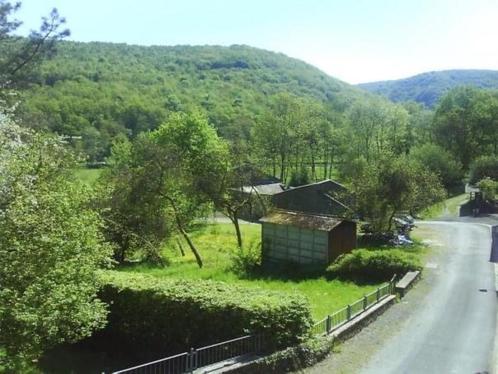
x: 304, y: 238
x: 307, y: 225
x: 259, y: 197
x: 326, y: 197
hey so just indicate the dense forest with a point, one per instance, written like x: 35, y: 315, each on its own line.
x: 100, y: 90
x: 428, y: 88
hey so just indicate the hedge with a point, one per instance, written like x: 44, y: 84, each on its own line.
x: 169, y: 316
x: 375, y: 265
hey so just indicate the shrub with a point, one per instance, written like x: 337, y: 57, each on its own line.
x: 172, y: 315
x: 375, y: 265
x: 489, y: 189
x: 299, y: 177
x: 247, y: 261
x: 292, y: 359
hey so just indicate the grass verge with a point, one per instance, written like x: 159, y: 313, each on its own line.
x: 449, y: 207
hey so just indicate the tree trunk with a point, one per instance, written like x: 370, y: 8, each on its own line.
x: 235, y: 221
x: 180, y: 246
x: 191, y: 245
x: 184, y: 233
x: 282, y: 167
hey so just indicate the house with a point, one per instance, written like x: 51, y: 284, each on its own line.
x: 308, y: 225
x: 304, y: 238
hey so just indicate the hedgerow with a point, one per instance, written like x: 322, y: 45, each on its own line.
x: 375, y: 265
x: 172, y: 315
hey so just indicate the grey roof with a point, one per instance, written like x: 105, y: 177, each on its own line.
x: 264, y: 189
x: 302, y: 220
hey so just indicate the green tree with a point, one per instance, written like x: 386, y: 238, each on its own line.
x: 50, y: 248
x: 163, y: 181
x: 484, y: 167
x: 439, y: 161
x: 466, y: 124
x: 391, y: 185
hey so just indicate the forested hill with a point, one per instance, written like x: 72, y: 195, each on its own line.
x: 99, y: 90
x: 427, y: 88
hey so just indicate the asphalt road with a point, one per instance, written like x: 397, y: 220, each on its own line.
x: 447, y: 324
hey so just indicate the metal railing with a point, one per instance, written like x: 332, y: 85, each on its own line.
x: 187, y: 362
x: 340, y: 317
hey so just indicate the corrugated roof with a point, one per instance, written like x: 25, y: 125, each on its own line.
x: 302, y: 220
x: 264, y: 189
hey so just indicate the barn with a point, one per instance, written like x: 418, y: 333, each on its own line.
x: 308, y: 226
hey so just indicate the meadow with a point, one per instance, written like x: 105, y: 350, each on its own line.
x: 217, y: 244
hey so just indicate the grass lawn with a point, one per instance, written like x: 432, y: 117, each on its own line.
x: 88, y: 176
x: 217, y: 244
x: 448, y: 207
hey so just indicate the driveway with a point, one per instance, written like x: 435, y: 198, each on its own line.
x: 446, y: 324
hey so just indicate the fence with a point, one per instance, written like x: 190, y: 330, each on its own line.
x: 339, y: 318
x: 187, y: 362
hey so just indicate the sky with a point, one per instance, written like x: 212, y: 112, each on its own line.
x: 353, y: 40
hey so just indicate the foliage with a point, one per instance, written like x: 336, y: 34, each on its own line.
x: 100, y: 90
x: 20, y: 56
x: 292, y: 359
x: 465, y: 123
x: 392, y: 185
x: 247, y: 261
x: 370, y: 265
x: 172, y: 315
x: 50, y: 248
x: 484, y: 167
x: 489, y: 188
x: 439, y: 161
x: 299, y: 177
x: 428, y: 88
x: 162, y: 182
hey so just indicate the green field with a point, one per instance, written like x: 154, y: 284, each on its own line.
x: 217, y: 245
x: 88, y: 176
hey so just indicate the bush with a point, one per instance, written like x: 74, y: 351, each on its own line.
x: 247, y: 261
x: 169, y: 316
x: 292, y: 359
x: 489, y: 189
x: 299, y: 177
x: 375, y: 265
x: 485, y: 166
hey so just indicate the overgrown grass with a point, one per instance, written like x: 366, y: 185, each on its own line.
x: 447, y: 208
x: 88, y: 176
x: 217, y: 244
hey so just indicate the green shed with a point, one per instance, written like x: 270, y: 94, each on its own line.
x: 304, y: 238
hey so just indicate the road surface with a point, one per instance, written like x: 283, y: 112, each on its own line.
x: 447, y: 324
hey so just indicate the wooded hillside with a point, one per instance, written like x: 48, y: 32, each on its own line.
x: 101, y: 90
x: 428, y: 88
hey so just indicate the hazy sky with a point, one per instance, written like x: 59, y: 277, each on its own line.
x: 353, y: 40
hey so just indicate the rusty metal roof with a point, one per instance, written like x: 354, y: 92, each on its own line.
x: 302, y: 220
